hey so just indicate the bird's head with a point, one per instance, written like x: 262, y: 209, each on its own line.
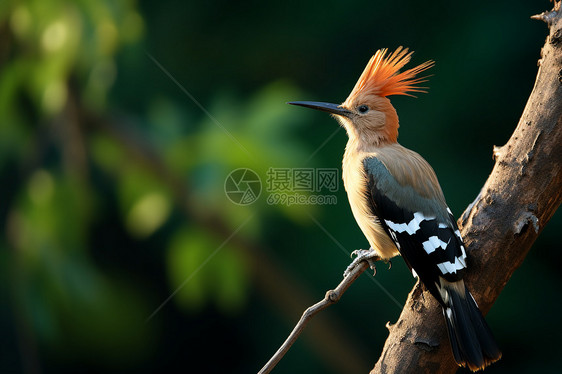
x: 367, y: 113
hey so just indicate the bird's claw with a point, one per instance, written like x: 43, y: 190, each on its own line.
x: 368, y: 255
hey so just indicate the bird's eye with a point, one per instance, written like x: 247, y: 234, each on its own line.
x: 363, y: 108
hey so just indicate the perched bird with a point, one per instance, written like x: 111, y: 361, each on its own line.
x: 398, y: 203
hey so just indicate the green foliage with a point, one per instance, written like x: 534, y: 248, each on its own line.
x: 70, y: 303
x: 203, y: 269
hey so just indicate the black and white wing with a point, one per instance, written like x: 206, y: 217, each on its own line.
x: 423, y: 229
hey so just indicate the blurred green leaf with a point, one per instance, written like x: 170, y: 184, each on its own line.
x: 71, y: 304
x: 201, y: 269
x: 148, y: 214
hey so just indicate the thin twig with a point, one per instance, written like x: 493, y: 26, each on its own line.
x: 332, y: 297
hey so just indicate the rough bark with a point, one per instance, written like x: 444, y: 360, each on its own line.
x: 518, y: 199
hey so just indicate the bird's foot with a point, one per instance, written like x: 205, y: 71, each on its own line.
x: 368, y: 255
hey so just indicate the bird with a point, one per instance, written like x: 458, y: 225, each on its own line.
x: 397, y: 201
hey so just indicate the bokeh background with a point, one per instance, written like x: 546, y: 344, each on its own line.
x: 121, y: 120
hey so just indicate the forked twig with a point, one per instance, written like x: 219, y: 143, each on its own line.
x: 332, y: 297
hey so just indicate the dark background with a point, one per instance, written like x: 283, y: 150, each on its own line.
x: 120, y: 250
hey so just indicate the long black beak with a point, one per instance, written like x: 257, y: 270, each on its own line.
x: 325, y: 107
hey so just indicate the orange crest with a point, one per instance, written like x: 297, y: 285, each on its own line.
x: 381, y: 77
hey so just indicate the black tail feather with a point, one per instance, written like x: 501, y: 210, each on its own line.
x: 487, y: 341
x: 452, y: 339
x: 472, y: 342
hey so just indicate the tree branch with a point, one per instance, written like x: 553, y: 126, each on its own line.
x: 332, y: 297
x: 518, y: 199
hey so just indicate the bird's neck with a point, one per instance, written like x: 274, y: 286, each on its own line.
x: 368, y: 140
